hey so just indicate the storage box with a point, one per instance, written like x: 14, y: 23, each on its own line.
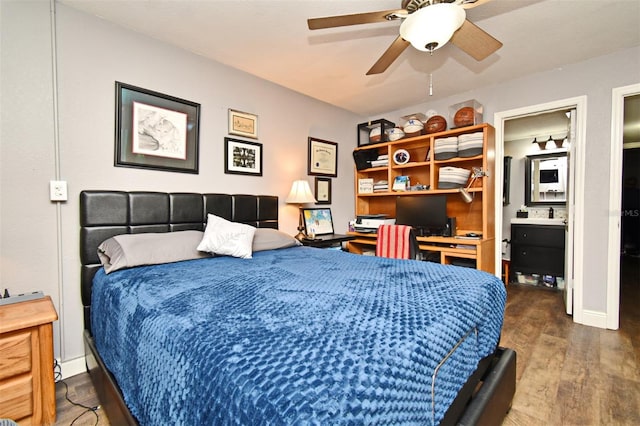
x: 364, y: 157
x: 374, y: 131
x: 470, y: 144
x: 452, y: 177
x: 365, y: 186
x: 467, y: 113
x: 446, y: 148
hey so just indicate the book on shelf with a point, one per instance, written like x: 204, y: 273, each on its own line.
x: 381, y: 186
x: 380, y: 163
x: 382, y: 160
x: 401, y: 183
x: 365, y: 186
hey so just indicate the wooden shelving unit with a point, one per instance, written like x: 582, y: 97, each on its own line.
x: 477, y: 217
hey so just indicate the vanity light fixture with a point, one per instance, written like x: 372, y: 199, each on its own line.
x: 542, y: 144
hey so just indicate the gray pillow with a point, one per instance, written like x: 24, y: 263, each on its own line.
x: 129, y: 250
x: 271, y: 239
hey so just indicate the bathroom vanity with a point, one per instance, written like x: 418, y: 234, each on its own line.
x: 537, y: 246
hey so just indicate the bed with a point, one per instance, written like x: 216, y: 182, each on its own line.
x: 293, y: 335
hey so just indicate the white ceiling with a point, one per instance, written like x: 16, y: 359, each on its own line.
x: 270, y: 39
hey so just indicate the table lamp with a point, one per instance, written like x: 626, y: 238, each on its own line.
x: 300, y: 194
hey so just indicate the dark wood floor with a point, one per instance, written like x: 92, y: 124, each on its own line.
x: 570, y: 374
x: 567, y: 374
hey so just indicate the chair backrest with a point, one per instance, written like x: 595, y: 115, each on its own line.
x: 397, y: 242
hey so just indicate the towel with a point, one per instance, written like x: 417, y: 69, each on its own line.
x: 394, y: 241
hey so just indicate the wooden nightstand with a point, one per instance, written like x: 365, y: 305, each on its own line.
x: 27, y: 387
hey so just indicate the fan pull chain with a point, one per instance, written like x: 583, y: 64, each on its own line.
x: 430, y: 84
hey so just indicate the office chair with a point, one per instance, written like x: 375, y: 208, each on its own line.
x: 397, y: 242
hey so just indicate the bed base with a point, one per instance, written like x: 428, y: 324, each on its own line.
x: 485, y: 399
x: 106, y: 387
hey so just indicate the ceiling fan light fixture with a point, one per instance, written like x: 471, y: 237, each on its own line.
x: 431, y: 27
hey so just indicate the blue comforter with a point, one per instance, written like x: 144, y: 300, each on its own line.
x: 294, y: 336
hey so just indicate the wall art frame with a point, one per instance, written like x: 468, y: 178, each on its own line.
x: 156, y: 131
x: 322, y: 158
x: 243, y: 124
x: 242, y: 157
x: 322, y: 190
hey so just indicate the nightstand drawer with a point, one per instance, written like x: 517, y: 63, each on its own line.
x: 27, y: 386
x: 16, y: 397
x: 15, y: 354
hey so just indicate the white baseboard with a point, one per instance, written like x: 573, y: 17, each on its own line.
x: 72, y: 367
x: 594, y: 318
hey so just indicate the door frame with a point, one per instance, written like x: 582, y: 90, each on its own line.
x: 618, y: 95
x: 577, y: 187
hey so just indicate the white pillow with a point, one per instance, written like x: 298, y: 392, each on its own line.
x: 222, y: 237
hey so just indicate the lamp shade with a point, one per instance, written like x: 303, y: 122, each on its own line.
x: 431, y: 27
x: 300, y: 193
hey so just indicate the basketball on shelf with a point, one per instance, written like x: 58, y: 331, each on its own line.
x: 435, y: 124
x: 375, y: 135
x: 464, y: 117
x: 413, y: 127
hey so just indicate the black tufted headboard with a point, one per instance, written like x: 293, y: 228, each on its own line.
x: 104, y: 214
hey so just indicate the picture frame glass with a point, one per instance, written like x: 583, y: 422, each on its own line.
x: 242, y: 157
x: 323, y: 190
x: 243, y: 124
x: 155, y: 131
x: 322, y: 158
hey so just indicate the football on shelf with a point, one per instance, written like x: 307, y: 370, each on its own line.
x: 435, y: 124
x: 464, y: 117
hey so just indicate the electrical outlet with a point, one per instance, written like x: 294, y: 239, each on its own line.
x: 58, y: 190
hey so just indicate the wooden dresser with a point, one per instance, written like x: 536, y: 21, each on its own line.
x: 27, y: 387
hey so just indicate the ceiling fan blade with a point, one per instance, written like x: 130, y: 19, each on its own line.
x: 476, y: 3
x: 355, y: 19
x: 391, y: 54
x: 475, y: 41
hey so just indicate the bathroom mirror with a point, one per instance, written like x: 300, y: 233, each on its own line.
x: 545, y: 179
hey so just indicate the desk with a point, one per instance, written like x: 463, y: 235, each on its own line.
x: 450, y: 248
x: 327, y: 242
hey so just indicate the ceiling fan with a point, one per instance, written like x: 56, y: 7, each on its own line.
x: 426, y: 24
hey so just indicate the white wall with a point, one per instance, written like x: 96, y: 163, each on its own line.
x: 594, y: 78
x: 91, y: 56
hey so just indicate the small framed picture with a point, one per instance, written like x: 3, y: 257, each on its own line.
x: 155, y: 131
x: 243, y: 124
x: 323, y: 158
x: 323, y: 190
x: 242, y: 157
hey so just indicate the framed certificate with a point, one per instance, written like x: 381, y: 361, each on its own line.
x: 323, y: 158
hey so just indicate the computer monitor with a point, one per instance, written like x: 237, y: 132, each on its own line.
x: 426, y: 213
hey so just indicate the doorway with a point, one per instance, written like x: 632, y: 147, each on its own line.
x: 536, y: 147
x: 573, y: 271
x: 624, y: 119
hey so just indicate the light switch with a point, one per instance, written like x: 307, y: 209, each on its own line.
x: 58, y: 190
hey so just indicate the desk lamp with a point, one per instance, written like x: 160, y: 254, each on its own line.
x: 464, y: 192
x: 300, y: 194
